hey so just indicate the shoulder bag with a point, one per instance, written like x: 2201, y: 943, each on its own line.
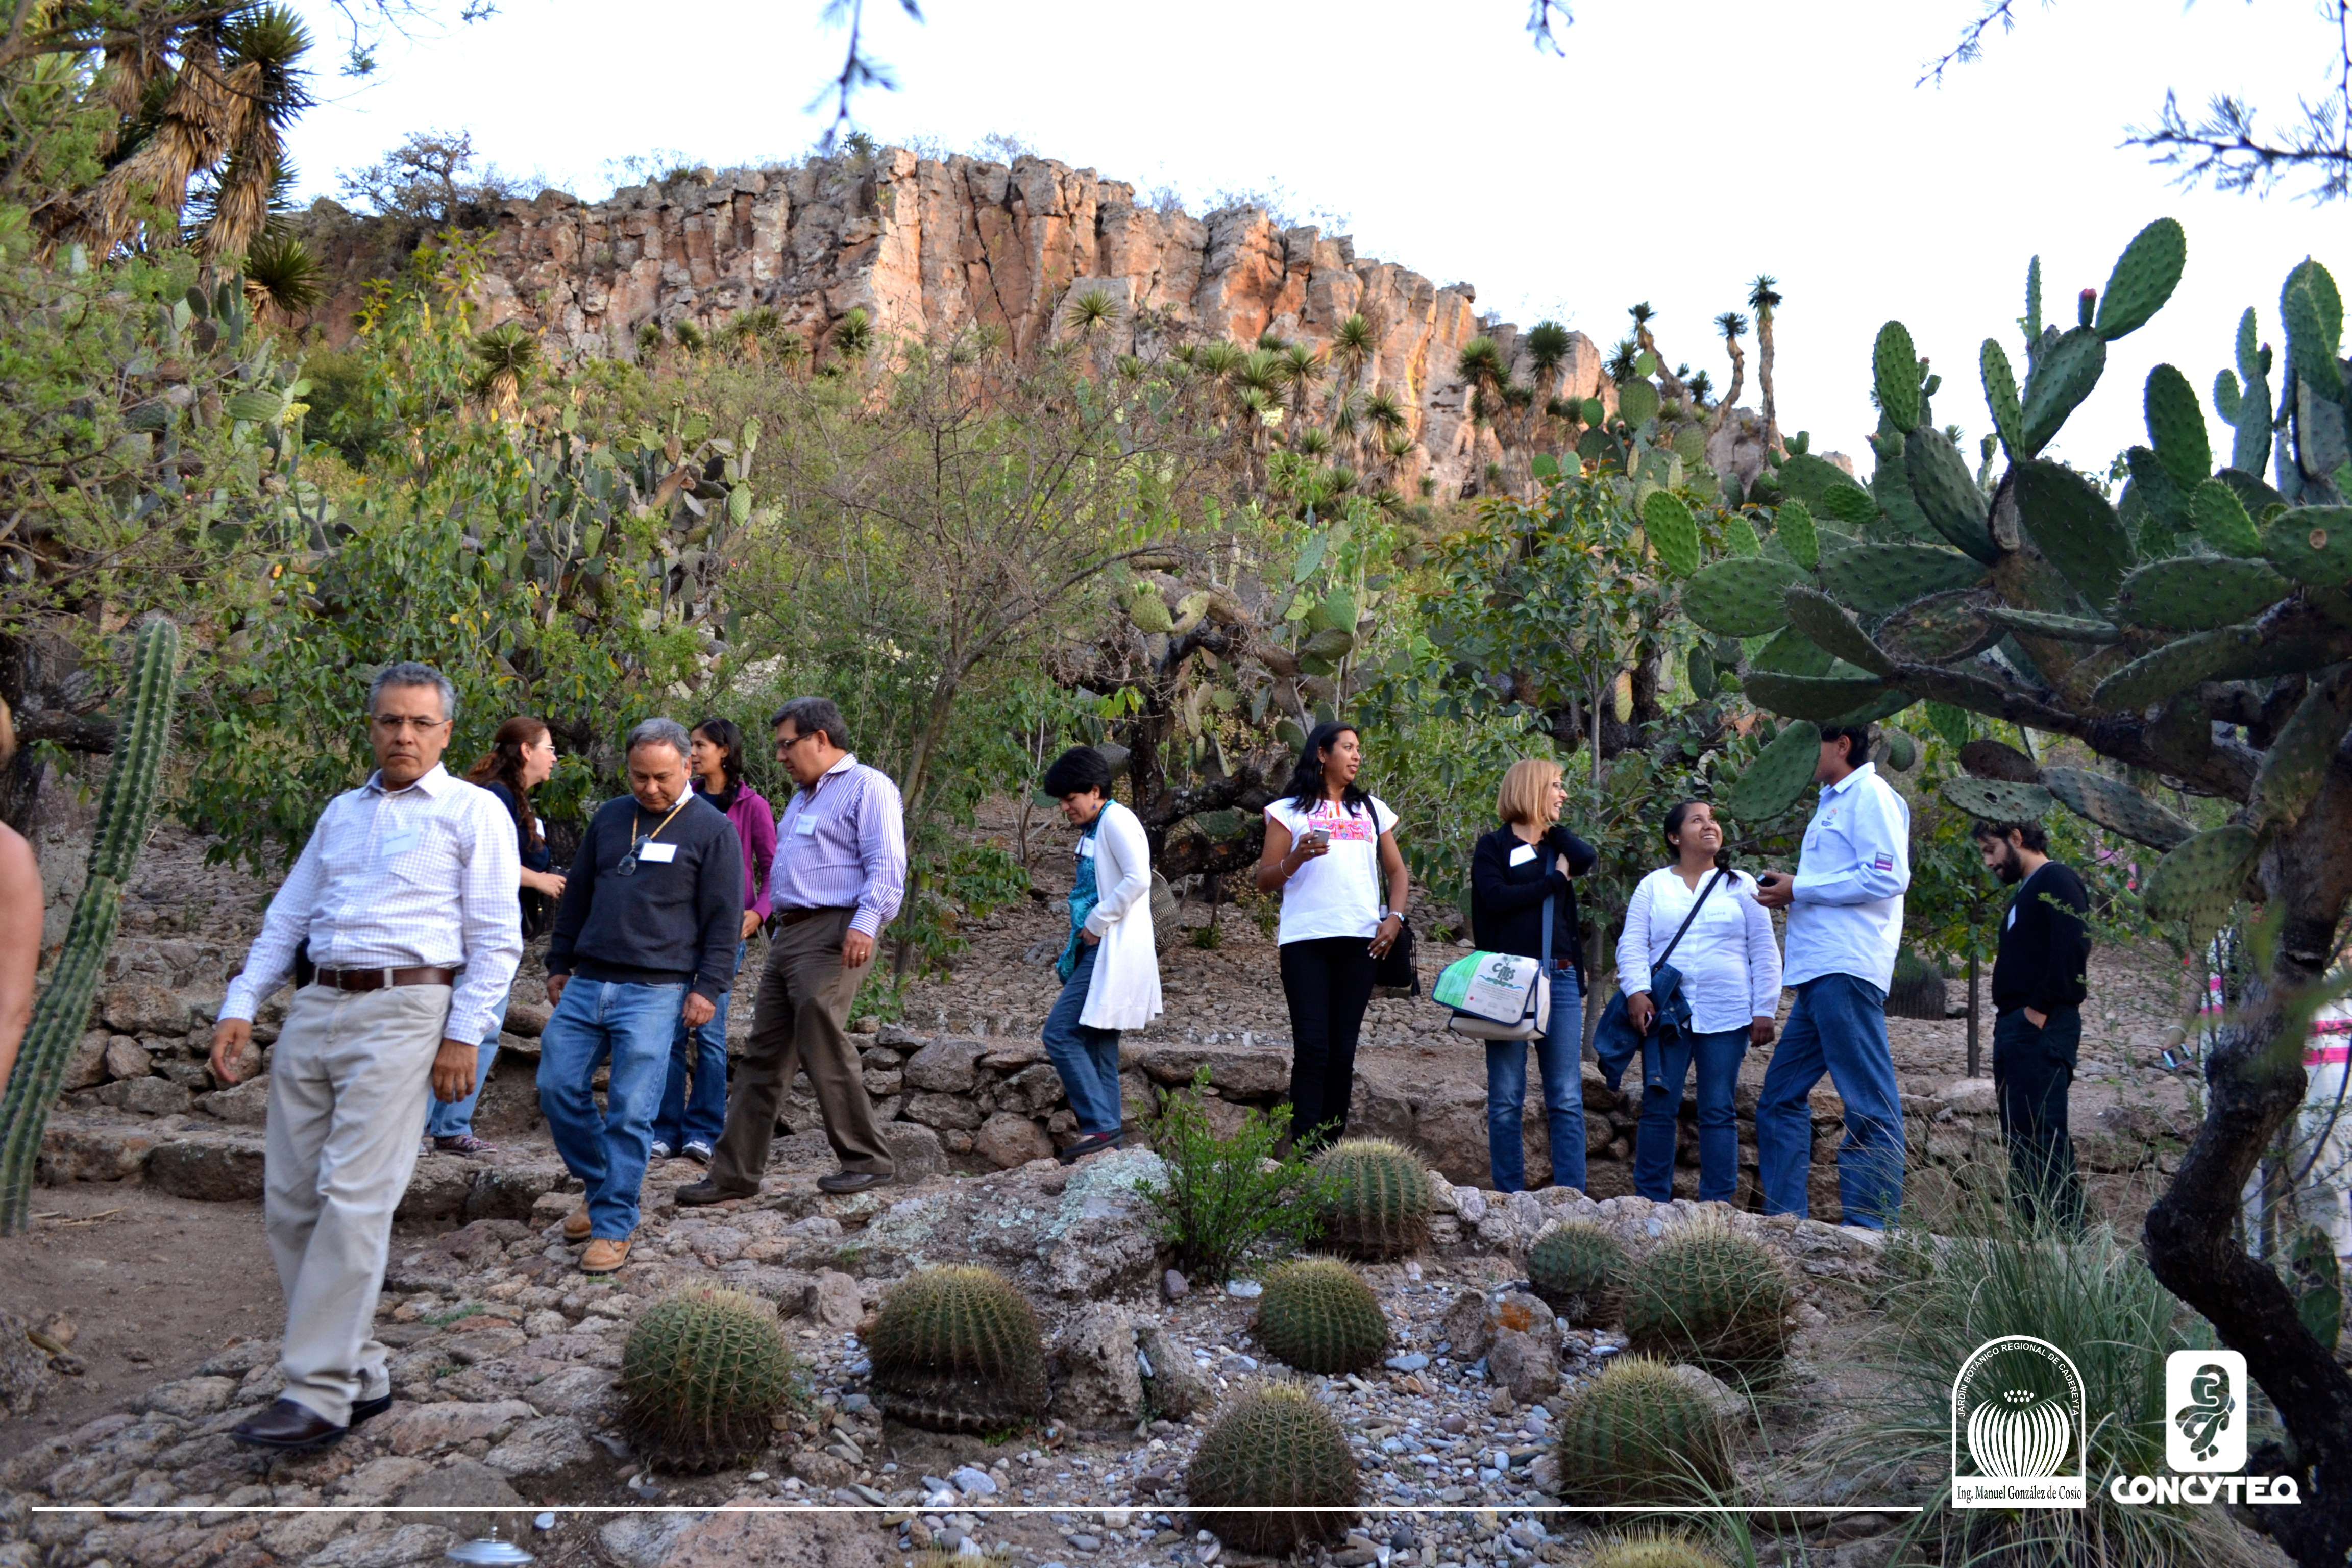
x: 1394, y: 972
x: 1615, y: 1041
x: 1499, y: 996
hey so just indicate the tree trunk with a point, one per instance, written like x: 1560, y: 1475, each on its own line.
x: 1973, y: 1058
x: 2254, y: 1086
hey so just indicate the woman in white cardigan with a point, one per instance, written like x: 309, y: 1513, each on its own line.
x: 1110, y: 965
x: 1730, y: 967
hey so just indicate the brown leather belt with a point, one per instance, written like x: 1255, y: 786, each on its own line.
x: 794, y: 916
x: 377, y: 979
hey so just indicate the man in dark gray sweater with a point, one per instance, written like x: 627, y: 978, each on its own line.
x: 646, y: 930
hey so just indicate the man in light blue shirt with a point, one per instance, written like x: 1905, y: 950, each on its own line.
x: 1845, y: 922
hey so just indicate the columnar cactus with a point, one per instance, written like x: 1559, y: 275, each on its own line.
x: 124, y: 812
x: 703, y: 1375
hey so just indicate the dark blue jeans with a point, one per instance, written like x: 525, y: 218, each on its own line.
x: 1559, y: 1054
x: 455, y: 1120
x: 1717, y: 1057
x: 698, y: 1119
x: 1086, y: 1057
x: 606, y: 1148
x: 1838, y: 1026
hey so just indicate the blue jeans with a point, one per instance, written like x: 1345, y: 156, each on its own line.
x: 1560, y: 1054
x: 1718, y: 1055
x: 698, y: 1119
x: 1838, y: 1026
x: 455, y: 1120
x: 1086, y: 1057
x: 607, y: 1150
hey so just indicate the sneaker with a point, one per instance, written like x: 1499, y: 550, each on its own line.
x: 464, y: 1143
x: 697, y: 1150
x: 660, y: 1151
x: 1092, y: 1143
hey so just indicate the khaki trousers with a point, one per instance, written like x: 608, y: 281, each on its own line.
x: 348, y: 1086
x: 799, y: 1023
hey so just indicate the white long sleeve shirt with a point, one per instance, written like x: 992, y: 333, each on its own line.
x: 1729, y: 963
x: 430, y: 876
x: 1847, y: 913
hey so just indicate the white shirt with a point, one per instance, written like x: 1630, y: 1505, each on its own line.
x: 428, y: 876
x: 1336, y: 894
x: 1730, y: 965
x: 1846, y: 917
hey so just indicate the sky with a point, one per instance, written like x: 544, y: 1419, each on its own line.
x: 1673, y: 153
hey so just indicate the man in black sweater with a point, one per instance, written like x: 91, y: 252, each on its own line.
x: 646, y: 930
x: 2038, y: 986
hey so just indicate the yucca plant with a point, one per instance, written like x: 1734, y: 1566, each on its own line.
x: 281, y: 274
x: 507, y: 354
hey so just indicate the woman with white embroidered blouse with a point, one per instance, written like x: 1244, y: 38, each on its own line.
x: 1730, y: 968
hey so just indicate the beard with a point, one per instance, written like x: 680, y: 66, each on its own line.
x: 2009, y: 868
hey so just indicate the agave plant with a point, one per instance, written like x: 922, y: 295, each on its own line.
x: 281, y: 274
x: 507, y: 353
x: 1547, y: 352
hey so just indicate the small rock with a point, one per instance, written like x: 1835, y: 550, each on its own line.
x: 825, y: 1470
x: 1008, y: 1141
x: 246, y: 1105
x: 834, y: 1302
x: 191, y: 1397
x: 973, y: 1481
x: 1174, y: 1383
x: 1103, y: 1388
x: 124, y: 1058
x: 1244, y: 1289
x: 1174, y: 1286
x: 1524, y: 1363
x: 1413, y: 1362
x: 147, y: 1096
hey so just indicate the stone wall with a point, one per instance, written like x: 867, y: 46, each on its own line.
x: 931, y: 247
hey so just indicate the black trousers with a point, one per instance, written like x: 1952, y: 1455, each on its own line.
x: 2031, y: 1071
x: 1328, y: 982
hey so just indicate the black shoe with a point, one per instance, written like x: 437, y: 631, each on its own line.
x: 287, y: 1428
x: 1092, y: 1143
x: 369, y: 1409
x: 849, y: 1181
x: 695, y: 1195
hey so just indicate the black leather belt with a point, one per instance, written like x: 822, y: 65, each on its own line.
x: 377, y: 979
x: 794, y: 916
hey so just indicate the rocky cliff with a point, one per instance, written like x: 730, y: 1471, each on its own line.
x: 931, y: 247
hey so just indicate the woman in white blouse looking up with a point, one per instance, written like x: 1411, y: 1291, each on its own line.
x: 1730, y: 967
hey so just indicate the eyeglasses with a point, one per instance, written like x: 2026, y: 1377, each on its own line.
x: 398, y: 723
x: 789, y: 741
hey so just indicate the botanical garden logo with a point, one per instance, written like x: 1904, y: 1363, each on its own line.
x: 2017, y: 1428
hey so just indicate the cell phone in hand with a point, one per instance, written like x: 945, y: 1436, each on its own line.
x: 1314, y: 839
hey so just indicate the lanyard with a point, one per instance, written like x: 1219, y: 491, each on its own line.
x: 626, y: 865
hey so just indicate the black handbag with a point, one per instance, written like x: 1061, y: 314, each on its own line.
x: 1615, y: 1041
x: 1395, y: 971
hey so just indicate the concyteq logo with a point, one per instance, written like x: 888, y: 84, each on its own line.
x: 2017, y: 1428
x: 2204, y: 1438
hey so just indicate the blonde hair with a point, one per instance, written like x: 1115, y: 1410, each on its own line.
x: 1522, y: 797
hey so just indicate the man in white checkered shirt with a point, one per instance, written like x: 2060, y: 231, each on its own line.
x: 407, y: 895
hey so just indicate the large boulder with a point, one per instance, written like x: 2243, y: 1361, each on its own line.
x: 915, y: 1154
x: 1248, y: 1075
x: 217, y: 1168
x: 946, y: 1066
x: 1102, y: 1387
x: 143, y: 1007
x: 1007, y: 1141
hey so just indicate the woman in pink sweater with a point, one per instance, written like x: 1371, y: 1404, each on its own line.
x: 690, y: 1122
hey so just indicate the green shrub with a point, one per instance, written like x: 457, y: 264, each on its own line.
x: 703, y: 1373
x: 1223, y: 1199
x: 1580, y: 1271
x: 1640, y: 1433
x: 1274, y: 1448
x: 958, y: 1349
x: 1320, y: 1316
x: 1714, y: 1298
x: 1376, y: 1198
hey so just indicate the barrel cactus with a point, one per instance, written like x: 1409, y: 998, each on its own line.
x: 1580, y: 1270
x: 1320, y: 1316
x: 1639, y: 1433
x: 958, y: 1349
x: 1714, y: 1298
x: 1376, y: 1198
x: 704, y: 1372
x: 1274, y: 1448
x: 124, y: 812
x: 1657, y: 1549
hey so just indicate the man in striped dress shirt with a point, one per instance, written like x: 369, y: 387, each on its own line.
x: 839, y: 872
x: 407, y: 896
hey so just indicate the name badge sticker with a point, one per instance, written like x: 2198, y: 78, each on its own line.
x: 396, y: 844
x: 658, y: 854
x: 1086, y: 849
x: 804, y: 825
x: 1523, y: 854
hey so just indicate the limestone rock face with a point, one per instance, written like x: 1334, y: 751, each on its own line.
x: 931, y: 247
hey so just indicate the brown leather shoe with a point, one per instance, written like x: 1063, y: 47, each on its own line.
x: 287, y: 1428
x: 604, y: 1256
x: 576, y: 1225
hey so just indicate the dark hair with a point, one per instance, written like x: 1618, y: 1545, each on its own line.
x: 1076, y: 771
x: 811, y: 714
x: 503, y: 766
x: 1674, y: 825
x: 723, y: 734
x: 1305, y: 785
x: 2032, y: 835
x: 1857, y: 737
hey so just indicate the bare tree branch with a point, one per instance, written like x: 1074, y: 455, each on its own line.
x: 1970, y: 48
x: 858, y: 68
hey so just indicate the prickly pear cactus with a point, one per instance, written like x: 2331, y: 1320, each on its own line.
x: 1994, y: 801
x: 2115, y: 806
x: 124, y: 812
x: 1778, y: 775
